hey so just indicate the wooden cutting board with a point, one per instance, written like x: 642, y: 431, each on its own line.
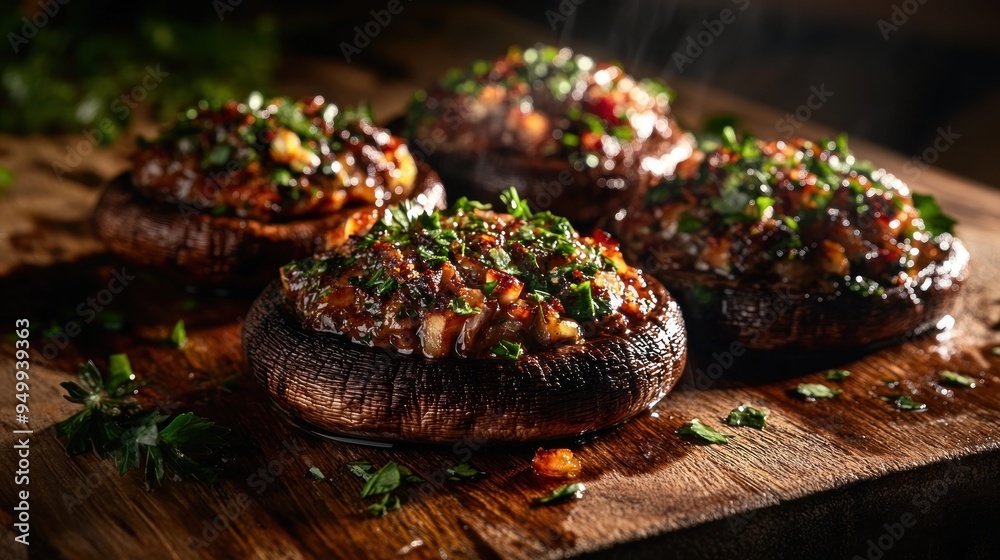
x: 842, y: 477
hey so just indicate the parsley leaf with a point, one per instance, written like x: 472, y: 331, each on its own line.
x: 954, y: 378
x: 463, y: 471
x: 703, y: 433
x: 465, y: 205
x: 515, y: 206
x: 389, y: 502
x: 489, y: 287
x: 904, y: 402
x: 571, y: 491
x: 178, y: 335
x: 836, y: 374
x: 316, y: 473
x: 383, y: 480
x: 746, y: 415
x: 581, y: 305
x: 461, y: 307
x: 508, y: 350
x: 813, y: 391
x: 935, y: 220
x: 112, y: 425
x: 361, y: 469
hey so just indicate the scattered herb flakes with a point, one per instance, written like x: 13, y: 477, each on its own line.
x: 315, y: 473
x: 178, y: 335
x: 463, y: 471
x: 836, y: 374
x: 954, y: 378
x: 389, y: 502
x: 890, y: 383
x: 703, y: 433
x: 746, y: 415
x: 382, y: 481
x: 904, y: 402
x: 571, y: 491
x: 813, y: 391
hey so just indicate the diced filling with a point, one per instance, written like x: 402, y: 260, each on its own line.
x: 549, y: 102
x: 274, y: 160
x: 801, y: 212
x: 470, y: 282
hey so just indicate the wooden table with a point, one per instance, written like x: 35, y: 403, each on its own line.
x: 844, y: 477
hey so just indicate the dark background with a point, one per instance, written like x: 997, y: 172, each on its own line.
x: 938, y: 71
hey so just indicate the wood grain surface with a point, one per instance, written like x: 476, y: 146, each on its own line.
x: 824, y: 479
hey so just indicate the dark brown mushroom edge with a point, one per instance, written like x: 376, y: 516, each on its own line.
x: 572, y: 135
x: 796, y: 245
x: 227, y: 195
x: 434, y: 327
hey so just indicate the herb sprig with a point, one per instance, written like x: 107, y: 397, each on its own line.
x: 112, y: 425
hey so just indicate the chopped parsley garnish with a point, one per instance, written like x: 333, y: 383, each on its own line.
x: 836, y: 374
x: 381, y: 483
x: 488, y: 287
x: 507, y: 350
x: 957, y: 379
x: 746, y: 415
x: 581, y: 305
x: 570, y: 491
x: 461, y: 307
x: 702, y: 433
x: 904, y: 402
x: 813, y: 391
x: 792, y: 200
x: 112, y: 425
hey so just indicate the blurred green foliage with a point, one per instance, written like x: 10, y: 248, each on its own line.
x: 73, y: 73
